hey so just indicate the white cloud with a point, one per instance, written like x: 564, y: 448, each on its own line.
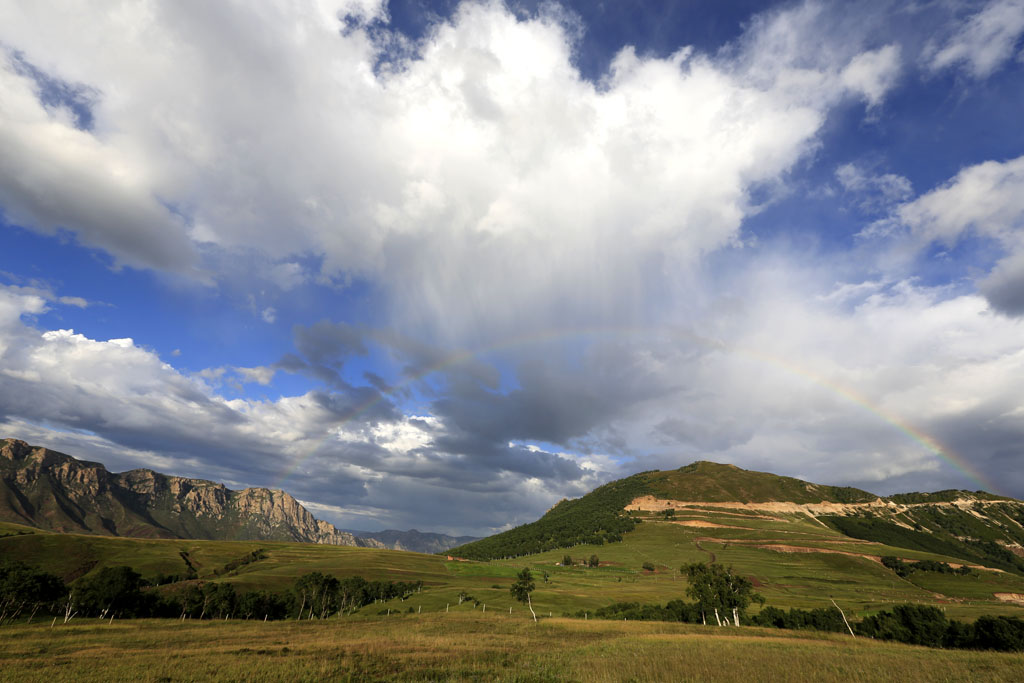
x: 873, y: 192
x: 76, y: 301
x: 262, y: 375
x: 987, y: 201
x: 873, y: 74
x: 987, y: 198
x: 985, y: 41
x: 54, y: 176
x: 484, y: 159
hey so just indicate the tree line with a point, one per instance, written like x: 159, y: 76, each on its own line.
x: 720, y: 593
x: 26, y: 591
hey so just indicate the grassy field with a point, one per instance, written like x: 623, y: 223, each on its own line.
x: 472, y: 647
x: 793, y: 562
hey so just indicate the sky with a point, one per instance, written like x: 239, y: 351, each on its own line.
x: 440, y: 265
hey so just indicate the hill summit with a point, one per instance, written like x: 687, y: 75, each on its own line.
x: 712, y: 482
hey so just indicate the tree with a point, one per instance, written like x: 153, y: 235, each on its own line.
x: 256, y: 604
x: 593, y: 561
x: 23, y: 587
x: 319, y: 592
x: 522, y: 588
x: 647, y: 567
x: 715, y: 587
x: 111, y: 590
x: 220, y: 599
x: 670, y: 513
x: 567, y: 561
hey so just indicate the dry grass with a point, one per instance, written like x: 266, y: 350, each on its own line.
x: 470, y: 647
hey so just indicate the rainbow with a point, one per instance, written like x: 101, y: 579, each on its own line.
x: 849, y: 395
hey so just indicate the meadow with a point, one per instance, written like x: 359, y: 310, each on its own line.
x: 818, y: 565
x: 431, y: 636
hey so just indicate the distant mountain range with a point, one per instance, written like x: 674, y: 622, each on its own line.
x: 413, y: 540
x: 50, y: 490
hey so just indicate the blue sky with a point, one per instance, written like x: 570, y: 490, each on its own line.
x: 439, y: 265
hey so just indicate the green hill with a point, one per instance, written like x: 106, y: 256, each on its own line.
x: 712, y: 482
x: 596, y: 518
x: 975, y: 528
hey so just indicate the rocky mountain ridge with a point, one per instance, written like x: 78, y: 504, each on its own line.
x: 51, y: 490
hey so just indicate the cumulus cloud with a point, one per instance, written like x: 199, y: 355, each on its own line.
x: 482, y: 157
x: 55, y: 176
x: 984, y: 42
x: 984, y: 201
x: 538, y: 243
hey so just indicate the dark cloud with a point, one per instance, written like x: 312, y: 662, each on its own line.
x: 1004, y: 287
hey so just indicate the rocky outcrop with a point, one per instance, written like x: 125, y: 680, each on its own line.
x: 51, y: 490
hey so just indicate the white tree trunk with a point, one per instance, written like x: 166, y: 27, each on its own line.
x: 717, y: 618
x: 735, y: 616
x: 530, y: 604
x: 844, y: 617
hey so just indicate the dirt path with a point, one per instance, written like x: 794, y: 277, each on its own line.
x: 702, y: 549
x: 710, y: 525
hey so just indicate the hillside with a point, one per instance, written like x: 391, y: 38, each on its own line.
x: 712, y: 482
x: 976, y: 527
x: 54, y: 491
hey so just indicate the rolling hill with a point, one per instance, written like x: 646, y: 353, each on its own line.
x: 976, y: 527
x: 794, y: 553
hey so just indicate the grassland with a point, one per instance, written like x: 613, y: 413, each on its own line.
x: 472, y: 647
x: 792, y: 560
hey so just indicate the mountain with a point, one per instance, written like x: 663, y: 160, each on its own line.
x: 977, y: 526
x: 413, y: 540
x: 50, y: 490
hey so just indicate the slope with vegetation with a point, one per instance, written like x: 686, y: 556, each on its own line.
x: 596, y: 518
x: 973, y: 527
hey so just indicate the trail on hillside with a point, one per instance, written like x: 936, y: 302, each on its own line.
x: 701, y: 548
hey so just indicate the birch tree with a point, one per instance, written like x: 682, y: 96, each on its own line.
x: 715, y: 588
x: 522, y: 588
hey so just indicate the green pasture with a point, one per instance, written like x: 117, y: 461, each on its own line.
x: 786, y: 579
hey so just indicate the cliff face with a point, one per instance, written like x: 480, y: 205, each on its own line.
x: 51, y: 490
